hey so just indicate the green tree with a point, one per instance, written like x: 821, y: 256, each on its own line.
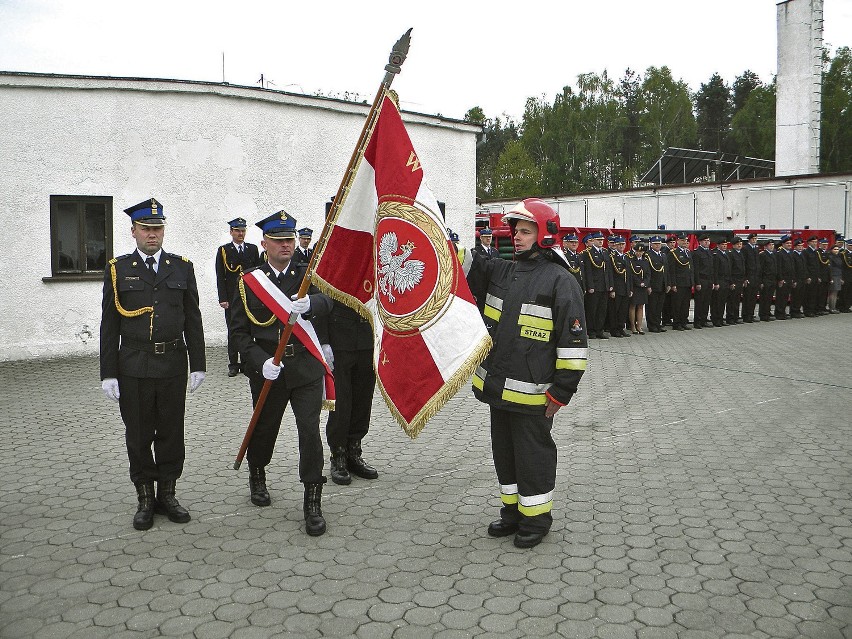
x: 629, y: 90
x: 753, y: 126
x: 713, y: 115
x: 743, y: 86
x: 496, y: 134
x: 665, y: 115
x: 836, y: 129
x: 516, y: 174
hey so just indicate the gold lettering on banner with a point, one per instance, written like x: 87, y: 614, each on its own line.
x: 368, y: 286
x: 384, y: 358
x: 413, y: 161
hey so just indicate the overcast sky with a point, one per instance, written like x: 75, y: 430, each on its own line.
x: 492, y: 54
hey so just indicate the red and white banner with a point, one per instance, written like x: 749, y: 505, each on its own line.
x: 276, y: 301
x: 388, y: 256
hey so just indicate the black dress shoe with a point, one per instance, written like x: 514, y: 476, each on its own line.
x: 233, y: 370
x: 698, y: 326
x: 661, y: 330
x: 602, y: 336
x: 502, y: 528
x: 356, y: 465
x: 680, y: 328
x: 528, y: 540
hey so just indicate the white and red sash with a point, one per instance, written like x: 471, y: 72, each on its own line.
x: 276, y: 301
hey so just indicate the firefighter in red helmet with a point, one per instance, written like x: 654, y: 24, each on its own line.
x: 534, y: 314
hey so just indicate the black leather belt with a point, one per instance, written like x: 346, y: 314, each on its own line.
x: 290, y: 350
x: 157, y: 348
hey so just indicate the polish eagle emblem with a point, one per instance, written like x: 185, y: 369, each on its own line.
x: 397, y: 272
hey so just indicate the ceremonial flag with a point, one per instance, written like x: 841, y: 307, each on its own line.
x: 388, y: 256
x: 276, y: 301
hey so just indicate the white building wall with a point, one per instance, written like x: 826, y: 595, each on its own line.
x: 207, y: 152
x: 818, y: 201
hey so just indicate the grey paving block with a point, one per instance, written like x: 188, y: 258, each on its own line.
x: 720, y: 509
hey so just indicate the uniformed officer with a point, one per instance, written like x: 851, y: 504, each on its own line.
x: 824, y: 277
x: 484, y: 248
x: 751, y: 287
x: 575, y: 260
x: 598, y: 271
x: 231, y: 260
x: 150, y: 321
x: 619, y: 297
x: 844, y: 299
x: 702, y: 260
x: 768, y: 280
x: 797, y: 295
x: 533, y: 369
x: 298, y: 381
x: 786, y: 277
x: 351, y: 340
x: 304, y: 250
x: 667, y: 248
x: 738, y: 278
x: 721, y: 283
x: 681, y: 278
x: 811, y: 281
x: 657, y: 286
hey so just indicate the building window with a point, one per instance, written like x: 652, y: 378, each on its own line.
x: 80, y: 234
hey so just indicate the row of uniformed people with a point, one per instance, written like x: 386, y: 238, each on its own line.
x: 725, y: 282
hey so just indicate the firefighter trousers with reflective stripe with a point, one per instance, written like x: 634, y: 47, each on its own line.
x: 525, y: 460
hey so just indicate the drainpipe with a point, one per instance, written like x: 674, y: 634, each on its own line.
x: 586, y: 212
x: 694, y: 210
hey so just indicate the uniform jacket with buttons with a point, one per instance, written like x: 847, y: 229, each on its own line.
x: 534, y: 314
x: 173, y: 294
x: 768, y: 267
x: 679, y: 267
x: 598, y: 269
x: 227, y: 271
x: 257, y: 343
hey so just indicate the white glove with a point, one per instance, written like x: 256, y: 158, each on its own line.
x: 195, y: 380
x: 302, y: 305
x: 270, y: 370
x: 110, y: 388
x: 329, y: 355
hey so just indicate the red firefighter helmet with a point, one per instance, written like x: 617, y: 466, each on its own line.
x: 541, y: 214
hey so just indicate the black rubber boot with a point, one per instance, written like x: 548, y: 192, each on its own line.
x: 168, y: 505
x: 257, y: 486
x: 144, y: 517
x: 339, y: 471
x: 358, y: 466
x: 314, y: 522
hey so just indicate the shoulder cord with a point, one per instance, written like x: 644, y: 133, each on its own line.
x: 123, y: 311
x: 640, y: 272
x: 846, y: 258
x: 824, y: 262
x: 592, y: 259
x: 677, y: 259
x: 615, y: 267
x: 238, y: 268
x: 251, y: 317
x: 654, y: 268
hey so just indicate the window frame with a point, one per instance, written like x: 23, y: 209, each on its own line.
x: 80, y: 201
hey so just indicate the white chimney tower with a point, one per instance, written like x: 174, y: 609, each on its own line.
x: 799, y: 88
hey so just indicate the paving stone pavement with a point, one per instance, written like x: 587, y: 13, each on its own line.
x: 704, y: 491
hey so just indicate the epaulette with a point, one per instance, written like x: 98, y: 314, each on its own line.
x: 178, y: 257
x: 120, y: 257
x: 113, y: 260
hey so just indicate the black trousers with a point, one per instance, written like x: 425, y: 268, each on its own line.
x: 354, y: 383
x: 732, y: 310
x: 702, y: 302
x: 667, y: 308
x: 153, y: 409
x: 766, y: 294
x: 595, y: 304
x: 781, y: 295
x: 306, y: 401
x: 717, y: 304
x: 680, y: 305
x: 617, y: 313
x: 525, y: 460
x: 654, y: 309
x: 233, y: 353
x: 810, y: 296
x: 797, y: 298
x: 749, y: 299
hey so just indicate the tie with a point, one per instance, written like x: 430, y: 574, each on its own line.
x: 281, y: 277
x: 150, y: 261
x: 240, y: 250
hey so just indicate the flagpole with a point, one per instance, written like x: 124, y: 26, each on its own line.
x: 397, y: 56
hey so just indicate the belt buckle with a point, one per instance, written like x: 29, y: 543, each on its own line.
x: 159, y: 348
x: 289, y: 350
